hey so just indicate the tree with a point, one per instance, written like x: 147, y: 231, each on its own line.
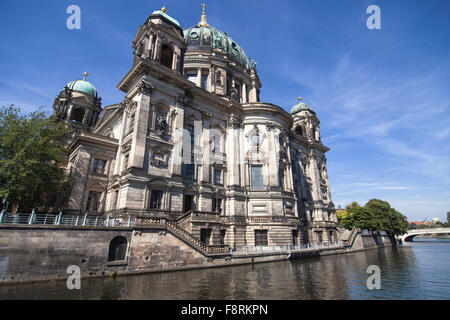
x: 32, y: 158
x: 375, y: 215
x: 448, y: 218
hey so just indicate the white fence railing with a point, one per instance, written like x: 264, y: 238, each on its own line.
x: 287, y: 248
x: 63, y: 220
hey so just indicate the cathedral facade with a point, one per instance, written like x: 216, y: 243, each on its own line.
x: 193, y: 138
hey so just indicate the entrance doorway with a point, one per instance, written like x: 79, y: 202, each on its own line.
x: 188, y: 201
x: 205, y: 236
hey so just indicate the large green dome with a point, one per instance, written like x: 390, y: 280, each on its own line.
x: 207, y: 38
x: 83, y: 86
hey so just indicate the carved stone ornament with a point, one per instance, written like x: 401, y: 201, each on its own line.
x: 234, y: 95
x: 159, y: 160
x: 181, y: 101
x: 145, y: 88
x: 234, y: 122
x: 270, y: 126
x: 126, y: 147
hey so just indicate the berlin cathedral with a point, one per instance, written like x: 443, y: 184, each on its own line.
x: 192, y: 137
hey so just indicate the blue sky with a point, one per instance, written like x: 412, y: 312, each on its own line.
x: 382, y: 95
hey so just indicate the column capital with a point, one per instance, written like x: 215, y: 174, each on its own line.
x: 146, y: 88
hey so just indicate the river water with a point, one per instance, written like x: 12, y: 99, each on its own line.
x: 417, y: 270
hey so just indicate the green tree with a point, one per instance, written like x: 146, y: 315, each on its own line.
x: 448, y: 218
x: 375, y: 215
x: 32, y: 158
x: 387, y: 218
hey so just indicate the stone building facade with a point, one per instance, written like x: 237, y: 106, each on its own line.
x: 192, y: 136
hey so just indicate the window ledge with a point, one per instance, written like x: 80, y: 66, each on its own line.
x: 122, y: 263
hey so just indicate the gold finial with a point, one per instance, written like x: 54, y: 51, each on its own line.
x: 85, y: 75
x: 164, y: 9
x: 203, y: 22
x: 300, y: 99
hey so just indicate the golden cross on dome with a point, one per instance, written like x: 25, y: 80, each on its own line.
x: 85, y: 75
x: 203, y: 22
x: 300, y: 99
x: 164, y: 9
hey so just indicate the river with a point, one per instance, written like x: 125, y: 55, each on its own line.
x: 416, y: 270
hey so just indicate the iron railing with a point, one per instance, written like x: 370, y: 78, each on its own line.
x: 63, y: 220
x: 287, y: 248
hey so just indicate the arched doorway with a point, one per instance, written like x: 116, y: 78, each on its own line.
x: 166, y: 56
x: 117, y: 249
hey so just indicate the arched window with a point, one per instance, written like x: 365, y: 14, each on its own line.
x: 299, y: 131
x: 117, y: 249
x: 77, y: 115
x: 166, y: 56
x: 219, y: 78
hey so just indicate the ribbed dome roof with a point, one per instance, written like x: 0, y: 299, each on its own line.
x: 162, y: 13
x: 300, y: 107
x: 207, y: 38
x: 83, y: 86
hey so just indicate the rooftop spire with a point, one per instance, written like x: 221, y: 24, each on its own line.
x: 164, y: 9
x: 299, y: 99
x: 85, y: 75
x: 203, y: 22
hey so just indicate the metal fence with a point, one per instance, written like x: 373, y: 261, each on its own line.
x: 286, y: 248
x: 63, y: 220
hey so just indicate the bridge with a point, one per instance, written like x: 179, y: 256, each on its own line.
x: 421, y: 232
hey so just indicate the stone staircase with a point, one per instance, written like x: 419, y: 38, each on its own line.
x: 177, y: 228
x: 348, y: 236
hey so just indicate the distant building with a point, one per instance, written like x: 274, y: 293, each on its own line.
x: 435, y: 220
x: 421, y: 223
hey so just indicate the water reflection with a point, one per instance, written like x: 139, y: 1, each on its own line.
x: 407, y: 272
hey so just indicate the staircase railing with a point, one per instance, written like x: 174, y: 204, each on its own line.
x: 195, y: 242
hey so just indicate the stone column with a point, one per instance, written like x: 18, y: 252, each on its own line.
x: 178, y: 137
x: 232, y: 149
x: 69, y: 113
x: 210, y: 80
x: 150, y: 46
x: 199, y: 77
x: 204, y: 144
x: 213, y: 79
x: 157, y: 49
x: 86, y: 116
x: 138, y: 145
x: 174, y: 61
x: 253, y: 93
x: 274, y: 162
x: 244, y: 92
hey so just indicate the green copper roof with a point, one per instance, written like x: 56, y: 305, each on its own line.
x: 300, y: 107
x: 207, y: 37
x: 165, y: 15
x: 83, y: 86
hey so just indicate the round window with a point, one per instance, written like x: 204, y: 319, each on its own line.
x: 194, y: 35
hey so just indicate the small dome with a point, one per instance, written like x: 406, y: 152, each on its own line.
x: 162, y: 13
x: 301, y: 107
x: 83, y: 86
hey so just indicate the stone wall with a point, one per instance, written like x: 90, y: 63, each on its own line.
x: 31, y: 252
x: 158, y: 249
x: 34, y: 252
